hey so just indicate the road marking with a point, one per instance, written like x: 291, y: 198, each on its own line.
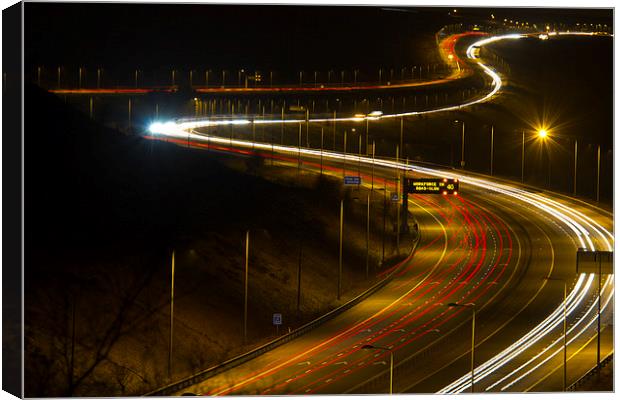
x: 379, y: 362
x: 304, y: 363
x: 370, y: 318
x: 329, y: 380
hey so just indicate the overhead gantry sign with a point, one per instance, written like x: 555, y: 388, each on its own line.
x: 432, y: 186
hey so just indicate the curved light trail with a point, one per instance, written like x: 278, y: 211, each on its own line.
x: 573, y: 302
x: 496, y: 84
x: 589, y: 233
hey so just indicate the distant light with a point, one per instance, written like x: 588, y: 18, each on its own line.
x: 163, y: 128
x: 195, y: 98
x: 455, y: 193
x: 376, y: 114
x: 155, y: 127
x: 543, y: 36
x: 542, y: 133
x: 454, y: 10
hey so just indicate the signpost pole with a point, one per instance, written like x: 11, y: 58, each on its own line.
x: 344, y: 152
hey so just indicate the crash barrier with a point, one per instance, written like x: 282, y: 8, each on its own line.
x: 218, y: 369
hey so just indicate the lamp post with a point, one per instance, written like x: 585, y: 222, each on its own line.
x: 522, y: 154
x: 463, y: 146
x: 564, y: 328
x: 245, y: 286
x: 542, y: 135
x: 575, y: 171
x: 473, y: 336
x: 367, y: 232
x: 371, y: 347
x: 492, y: 150
x: 171, y: 316
x: 340, y: 252
x: 598, y: 173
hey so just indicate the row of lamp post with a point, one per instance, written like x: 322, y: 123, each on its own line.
x: 542, y: 134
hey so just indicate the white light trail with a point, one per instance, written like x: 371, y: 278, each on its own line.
x: 553, y: 321
x: 375, y: 115
x: 573, y: 337
x: 583, y: 227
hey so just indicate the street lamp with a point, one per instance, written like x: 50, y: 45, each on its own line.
x: 371, y: 347
x: 542, y: 133
x: 564, y: 328
x: 473, y: 336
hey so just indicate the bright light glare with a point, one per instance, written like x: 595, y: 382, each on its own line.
x: 163, y: 128
x: 542, y: 133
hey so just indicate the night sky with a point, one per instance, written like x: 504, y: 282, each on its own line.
x: 154, y: 36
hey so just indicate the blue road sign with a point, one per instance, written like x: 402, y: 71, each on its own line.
x: 395, y: 197
x: 352, y: 180
x: 277, y: 319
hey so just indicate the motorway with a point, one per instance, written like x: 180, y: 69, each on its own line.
x: 495, y: 244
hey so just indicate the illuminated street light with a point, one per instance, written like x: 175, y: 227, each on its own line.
x: 542, y: 133
x: 371, y: 347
